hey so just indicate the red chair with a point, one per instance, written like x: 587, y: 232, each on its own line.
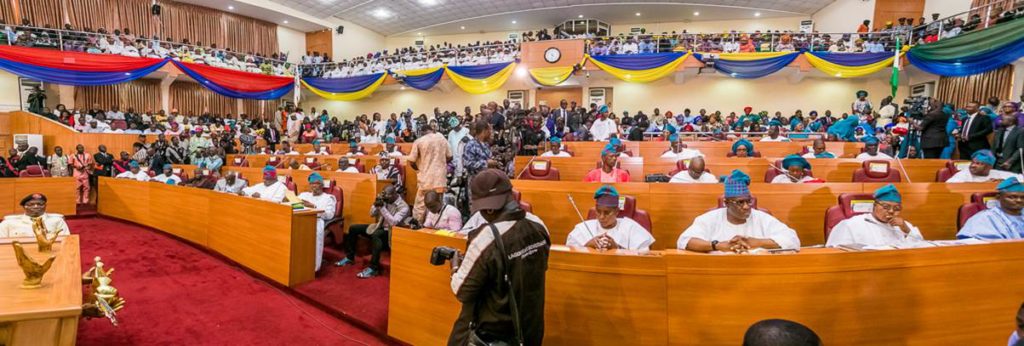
x: 525, y: 206
x: 683, y: 165
x: 979, y: 201
x: 275, y: 161
x: 540, y: 170
x: 770, y: 174
x: 338, y: 233
x: 952, y: 168
x: 287, y: 180
x: 118, y: 125
x: 876, y: 172
x: 850, y: 204
x: 754, y: 154
x: 628, y: 210
x: 34, y: 171
x: 240, y: 161
x: 313, y: 163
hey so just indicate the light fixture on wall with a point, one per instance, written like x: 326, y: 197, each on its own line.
x: 579, y: 16
x: 286, y: 22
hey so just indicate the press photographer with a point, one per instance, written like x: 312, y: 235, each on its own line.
x: 929, y: 120
x: 389, y: 211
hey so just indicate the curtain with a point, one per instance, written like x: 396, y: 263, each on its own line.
x: 259, y: 109
x: 961, y: 90
x: 141, y: 94
x: 194, y: 99
x: 999, y: 4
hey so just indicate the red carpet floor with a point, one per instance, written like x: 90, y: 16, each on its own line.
x: 178, y: 295
x: 363, y: 300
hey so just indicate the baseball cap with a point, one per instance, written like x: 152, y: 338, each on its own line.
x: 490, y: 189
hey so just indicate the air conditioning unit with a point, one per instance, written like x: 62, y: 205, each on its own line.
x: 597, y: 96
x: 923, y: 89
x: 517, y: 97
x: 419, y: 43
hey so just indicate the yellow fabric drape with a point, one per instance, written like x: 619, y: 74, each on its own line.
x: 349, y: 96
x: 481, y: 86
x: 551, y: 76
x: 641, y: 76
x: 841, y: 71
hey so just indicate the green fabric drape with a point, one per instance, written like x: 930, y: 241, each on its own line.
x: 972, y: 43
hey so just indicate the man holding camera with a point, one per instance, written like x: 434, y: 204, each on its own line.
x: 389, y: 211
x: 501, y: 278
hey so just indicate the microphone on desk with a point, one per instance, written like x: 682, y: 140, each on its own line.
x: 772, y: 165
x: 528, y: 167
x: 578, y: 213
x: 902, y: 170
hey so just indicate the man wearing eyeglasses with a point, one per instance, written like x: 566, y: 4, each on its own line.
x: 738, y: 227
x: 883, y: 226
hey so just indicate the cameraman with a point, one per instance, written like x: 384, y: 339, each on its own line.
x: 933, y: 130
x: 501, y: 281
x: 389, y: 210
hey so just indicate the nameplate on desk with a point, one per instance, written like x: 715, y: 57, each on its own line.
x: 540, y: 165
x: 327, y: 184
x: 962, y: 165
x: 282, y: 179
x: 878, y: 167
x: 990, y: 202
x: 238, y: 160
x: 310, y: 160
x: 861, y: 206
x: 351, y: 161
x: 176, y: 170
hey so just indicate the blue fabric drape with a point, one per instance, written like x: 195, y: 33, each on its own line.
x: 424, y: 82
x: 853, y: 59
x: 969, y: 65
x: 754, y: 68
x: 344, y: 85
x: 479, y: 71
x: 217, y: 88
x: 638, y: 61
x: 77, y: 78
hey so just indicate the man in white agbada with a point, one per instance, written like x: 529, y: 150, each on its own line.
x: 21, y: 225
x: 694, y: 173
x: 774, y: 135
x: 556, y: 149
x: 270, y: 190
x: 166, y: 174
x: 795, y: 170
x: 603, y: 128
x: 609, y: 231
x: 871, y: 150
x: 677, y: 150
x: 981, y: 170
x: 134, y: 172
x: 883, y: 226
x: 738, y: 227
x: 315, y: 198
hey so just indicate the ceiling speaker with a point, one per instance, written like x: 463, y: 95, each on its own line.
x: 340, y: 30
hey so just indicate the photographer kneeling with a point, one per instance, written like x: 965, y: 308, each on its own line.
x: 389, y: 210
x: 501, y: 280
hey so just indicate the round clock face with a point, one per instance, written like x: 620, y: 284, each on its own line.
x: 552, y: 55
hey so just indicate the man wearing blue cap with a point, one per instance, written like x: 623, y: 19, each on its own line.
x: 883, y: 226
x: 819, y: 151
x: 1002, y: 222
x: 981, y: 170
x: 167, y: 174
x: 774, y: 135
x: 678, y: 150
x: 271, y: 190
x: 609, y: 231
x: 555, y: 149
x: 603, y: 127
x: 315, y: 198
x: 134, y: 172
x: 742, y: 148
x: 354, y: 150
x: 871, y: 150
x: 794, y: 171
x: 390, y: 148
x: 738, y: 227
x: 620, y: 148
x: 609, y: 172
x: 318, y: 149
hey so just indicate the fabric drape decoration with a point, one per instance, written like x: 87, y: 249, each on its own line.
x: 639, y: 68
x: 422, y: 79
x: 480, y: 79
x: 142, y: 94
x: 238, y: 84
x: 972, y: 53
x: 551, y: 76
x: 345, y: 89
x: 753, y: 65
x: 192, y: 98
x: 979, y: 87
x: 849, y: 65
x: 75, y: 68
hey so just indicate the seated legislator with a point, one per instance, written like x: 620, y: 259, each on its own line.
x: 1004, y: 222
x: 981, y: 170
x: 678, y: 150
x: 286, y: 149
x: 694, y: 173
x: 271, y: 190
x: 738, y: 227
x: 796, y: 168
x: 202, y: 179
x: 354, y: 150
x: 620, y: 148
x: 774, y: 134
x: 609, y: 231
x: 389, y: 210
x: 820, y: 151
x: 871, y: 150
x: 315, y: 198
x: 608, y: 173
x: 22, y: 225
x: 390, y: 149
x: 345, y: 166
x: 384, y: 170
x: 167, y: 176
x: 318, y: 149
x: 440, y: 215
x: 134, y: 172
x: 556, y: 149
x: 229, y: 184
x: 883, y: 226
x: 742, y: 148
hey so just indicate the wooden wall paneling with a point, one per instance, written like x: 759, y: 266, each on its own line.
x: 143, y: 95
x: 553, y: 96
x: 184, y: 213
x: 7, y: 204
x: 192, y: 98
x: 256, y: 243
x: 319, y: 41
x: 124, y: 201
x: 417, y: 287
x: 892, y: 10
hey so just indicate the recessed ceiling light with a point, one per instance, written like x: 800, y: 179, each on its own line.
x: 419, y: 33
x: 462, y: 28
x: 757, y: 14
x: 513, y: 22
x: 638, y: 14
x: 231, y: 7
x: 381, y: 13
x: 428, y: 2
x: 696, y: 13
x: 580, y: 16
x: 286, y: 22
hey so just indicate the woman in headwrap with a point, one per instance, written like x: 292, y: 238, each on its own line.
x: 742, y: 148
x: 843, y: 129
x: 952, y: 128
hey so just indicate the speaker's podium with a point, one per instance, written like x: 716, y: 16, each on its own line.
x: 47, y: 315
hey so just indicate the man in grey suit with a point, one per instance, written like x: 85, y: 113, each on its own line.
x: 1008, y: 143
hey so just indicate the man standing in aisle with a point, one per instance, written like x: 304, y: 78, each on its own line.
x: 429, y: 157
x: 82, y: 166
x: 1008, y: 143
x: 974, y: 133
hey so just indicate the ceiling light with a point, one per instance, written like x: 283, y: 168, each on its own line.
x: 580, y: 16
x: 428, y: 2
x: 638, y: 14
x: 231, y: 7
x: 419, y: 33
x: 286, y: 22
x: 696, y: 13
x: 757, y: 14
x: 381, y: 13
x: 462, y: 28
x: 513, y: 22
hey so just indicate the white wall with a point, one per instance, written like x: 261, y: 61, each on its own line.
x: 843, y: 15
x: 291, y: 41
x: 10, y: 91
x: 356, y: 41
x: 945, y: 8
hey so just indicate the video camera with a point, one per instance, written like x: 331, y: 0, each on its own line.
x: 916, y: 106
x: 442, y: 254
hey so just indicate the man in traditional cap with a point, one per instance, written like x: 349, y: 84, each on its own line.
x: 1002, y: 222
x: 694, y: 173
x: 742, y: 148
x: 167, y: 176
x: 134, y: 172
x: 678, y: 150
x: 774, y: 134
x: 871, y: 150
x: 819, y: 151
x: 795, y: 170
x: 271, y: 190
x: 555, y: 149
x: 315, y: 198
x: 883, y: 226
x: 319, y: 149
x: 738, y: 227
x: 603, y: 127
x: 21, y: 225
x: 609, y: 231
x: 390, y: 148
x: 229, y: 183
x: 609, y: 172
x: 620, y: 148
x: 981, y: 170
x: 389, y: 210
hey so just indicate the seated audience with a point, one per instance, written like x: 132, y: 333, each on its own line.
x: 30, y: 158
x: 819, y: 151
x: 774, y: 135
x: 1002, y: 222
x: 389, y: 210
x: 608, y: 173
x: 167, y: 176
x: 346, y: 166
x: 271, y: 190
x: 134, y: 172
x: 738, y: 227
x: 678, y: 150
x: 742, y: 148
x: 23, y: 225
x: 694, y: 173
x: 385, y: 170
x: 796, y: 168
x: 440, y: 215
x: 609, y: 231
x: 981, y: 170
x: 883, y: 226
x: 286, y: 149
x: 556, y: 149
x: 315, y: 198
x: 229, y: 183
x: 780, y: 333
x: 871, y: 150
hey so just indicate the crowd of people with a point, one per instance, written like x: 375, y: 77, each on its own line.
x: 411, y: 58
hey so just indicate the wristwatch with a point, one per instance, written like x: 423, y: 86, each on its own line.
x: 714, y: 245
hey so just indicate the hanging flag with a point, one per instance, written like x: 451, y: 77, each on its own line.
x: 895, y: 80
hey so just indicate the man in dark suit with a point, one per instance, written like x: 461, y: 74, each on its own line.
x: 974, y: 132
x: 272, y: 136
x: 933, y: 130
x: 1008, y: 143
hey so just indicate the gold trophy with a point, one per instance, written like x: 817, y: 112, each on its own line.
x: 103, y: 298
x: 44, y: 241
x: 33, y: 270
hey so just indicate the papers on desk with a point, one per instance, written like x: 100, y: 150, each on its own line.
x: 911, y: 245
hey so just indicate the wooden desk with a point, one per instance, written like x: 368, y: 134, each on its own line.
x: 867, y: 298
x: 47, y: 315
x: 60, y: 194
x: 575, y: 168
x: 268, y: 238
x: 716, y: 149
x: 359, y: 189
